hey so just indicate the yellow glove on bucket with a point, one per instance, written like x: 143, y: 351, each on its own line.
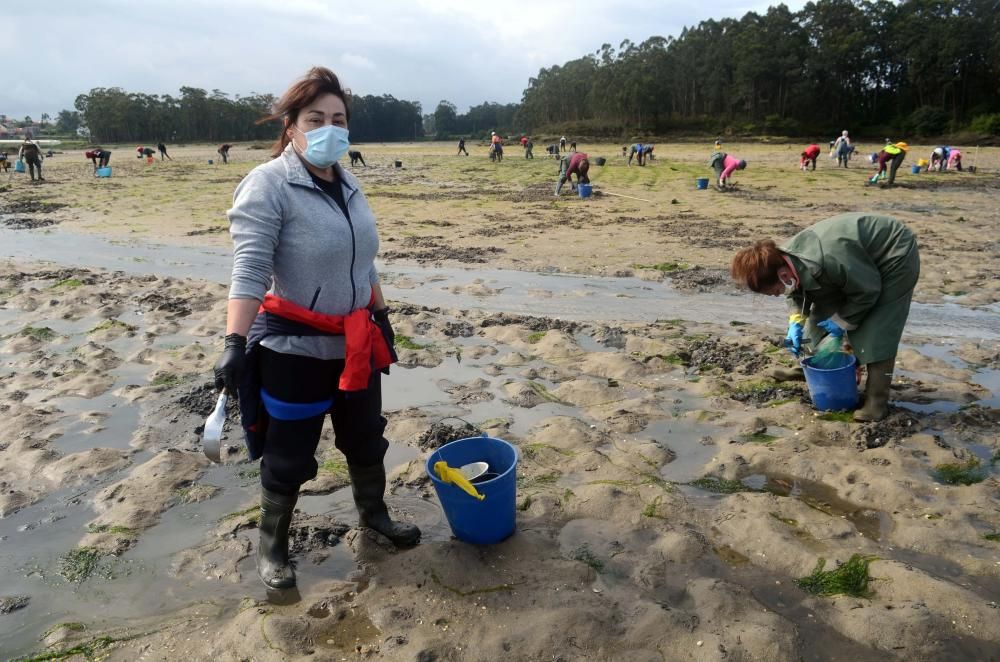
x: 455, y: 477
x: 797, y: 318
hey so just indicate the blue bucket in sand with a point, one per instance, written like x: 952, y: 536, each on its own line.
x: 584, y: 190
x: 210, y: 162
x: 479, y: 522
x: 701, y: 183
x: 915, y: 169
x: 103, y: 172
x: 833, y: 389
x: 19, y: 166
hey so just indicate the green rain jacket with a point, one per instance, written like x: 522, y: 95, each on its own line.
x: 859, y: 269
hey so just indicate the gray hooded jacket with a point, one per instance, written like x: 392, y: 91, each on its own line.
x: 292, y: 239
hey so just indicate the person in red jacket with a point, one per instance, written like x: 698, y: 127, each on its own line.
x: 99, y: 157
x: 810, y: 155
x: 577, y: 164
x: 223, y: 151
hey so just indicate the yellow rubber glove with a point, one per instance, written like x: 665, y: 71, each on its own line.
x: 455, y: 477
x: 797, y: 318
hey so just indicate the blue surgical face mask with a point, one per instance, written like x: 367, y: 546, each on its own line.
x: 325, y: 145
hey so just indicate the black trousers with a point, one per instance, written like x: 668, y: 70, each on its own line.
x: 289, y: 457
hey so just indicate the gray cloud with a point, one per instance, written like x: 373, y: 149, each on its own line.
x: 423, y: 50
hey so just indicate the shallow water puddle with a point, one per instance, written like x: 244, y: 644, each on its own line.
x: 584, y: 298
x: 871, y: 523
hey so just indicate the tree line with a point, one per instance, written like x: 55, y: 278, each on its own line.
x: 922, y: 66
x: 114, y: 115
x: 478, y: 120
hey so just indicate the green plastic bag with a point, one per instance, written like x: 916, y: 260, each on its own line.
x: 830, y: 354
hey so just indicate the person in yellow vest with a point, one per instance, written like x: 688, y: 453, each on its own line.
x: 891, y: 157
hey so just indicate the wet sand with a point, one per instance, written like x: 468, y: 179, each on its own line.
x: 117, y: 537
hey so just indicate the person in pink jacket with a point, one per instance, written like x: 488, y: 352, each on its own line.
x: 955, y: 160
x: 724, y: 165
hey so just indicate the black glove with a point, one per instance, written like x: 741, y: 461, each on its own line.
x: 230, y: 366
x: 381, y: 319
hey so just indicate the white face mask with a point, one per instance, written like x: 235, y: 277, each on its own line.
x: 325, y: 145
x: 790, y: 287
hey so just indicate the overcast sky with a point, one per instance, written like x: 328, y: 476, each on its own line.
x: 422, y: 50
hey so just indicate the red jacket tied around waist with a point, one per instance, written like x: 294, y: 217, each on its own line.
x: 365, y: 347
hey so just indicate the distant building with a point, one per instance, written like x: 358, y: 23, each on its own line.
x: 5, y: 132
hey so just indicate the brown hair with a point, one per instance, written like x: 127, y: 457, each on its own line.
x: 318, y: 81
x: 757, y: 267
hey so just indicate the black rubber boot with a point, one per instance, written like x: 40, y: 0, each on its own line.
x: 273, y: 567
x: 368, y: 486
x: 876, y: 405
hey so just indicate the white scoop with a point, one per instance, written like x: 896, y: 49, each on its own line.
x: 211, y: 438
x: 474, y: 470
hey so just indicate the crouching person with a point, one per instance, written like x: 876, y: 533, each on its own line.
x: 851, y: 275
x: 577, y: 164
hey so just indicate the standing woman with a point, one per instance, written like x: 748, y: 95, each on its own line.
x: 307, y: 327
x: 852, y: 274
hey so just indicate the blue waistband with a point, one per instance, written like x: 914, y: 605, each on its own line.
x: 293, y: 411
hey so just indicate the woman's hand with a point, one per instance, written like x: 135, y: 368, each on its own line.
x: 831, y: 327
x: 793, y: 339
x: 381, y: 319
x: 231, y: 365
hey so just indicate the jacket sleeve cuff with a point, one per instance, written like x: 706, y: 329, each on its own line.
x: 842, y: 323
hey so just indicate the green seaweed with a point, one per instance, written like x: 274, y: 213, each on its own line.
x: 335, y: 467
x: 721, y: 485
x: 90, y: 650
x: 760, y: 438
x: 850, y: 578
x: 112, y: 323
x: 532, y: 450
x: 78, y: 564
x: 475, y: 591
x: 525, y: 504
x: 536, y: 336
x: 110, y: 528
x: 68, y: 283
x: 39, y: 333
x: 838, y: 416
x: 255, y: 509
x: 537, y: 481
x: 992, y: 537
x: 652, y: 509
x: 584, y: 555
x: 405, y: 342
x: 966, y: 473
x: 785, y: 520
x: 542, y: 392
x: 166, y: 380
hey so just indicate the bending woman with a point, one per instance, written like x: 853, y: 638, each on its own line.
x: 307, y: 329
x: 850, y: 275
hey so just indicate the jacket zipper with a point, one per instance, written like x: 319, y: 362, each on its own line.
x: 350, y: 224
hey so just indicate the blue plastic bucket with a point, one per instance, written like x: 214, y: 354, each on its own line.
x: 915, y: 169
x: 210, y: 162
x: 835, y: 389
x: 701, y: 183
x: 584, y: 190
x: 492, y: 519
x: 19, y: 166
x: 104, y: 172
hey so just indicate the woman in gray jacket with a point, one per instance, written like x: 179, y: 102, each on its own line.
x: 307, y: 329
